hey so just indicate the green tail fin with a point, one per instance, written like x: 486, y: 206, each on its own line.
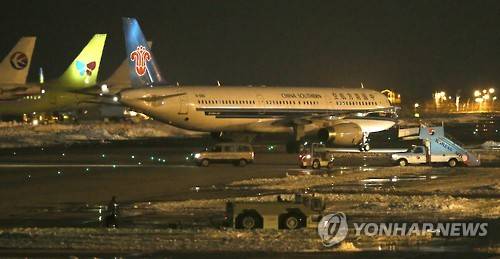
x: 82, y: 72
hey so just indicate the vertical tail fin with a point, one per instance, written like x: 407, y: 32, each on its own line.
x: 120, y: 77
x: 82, y: 72
x: 142, y: 66
x: 16, y: 65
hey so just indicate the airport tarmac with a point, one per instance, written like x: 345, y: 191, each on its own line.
x: 61, y: 187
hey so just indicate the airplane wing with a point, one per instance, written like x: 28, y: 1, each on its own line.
x: 332, y: 116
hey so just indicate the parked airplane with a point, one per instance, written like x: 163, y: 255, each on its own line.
x: 14, y: 70
x: 62, y: 93
x: 344, y: 116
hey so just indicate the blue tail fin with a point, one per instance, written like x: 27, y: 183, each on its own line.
x: 142, y: 65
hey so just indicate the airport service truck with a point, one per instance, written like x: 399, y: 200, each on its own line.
x: 418, y: 155
x: 437, y: 148
x: 305, y: 211
x: 316, y: 155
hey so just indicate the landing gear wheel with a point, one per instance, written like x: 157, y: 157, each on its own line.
x: 452, y: 162
x: 364, y: 147
x: 204, y: 163
x: 316, y: 164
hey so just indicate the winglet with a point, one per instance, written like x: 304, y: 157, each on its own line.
x: 143, y: 69
x: 82, y: 72
x: 16, y: 65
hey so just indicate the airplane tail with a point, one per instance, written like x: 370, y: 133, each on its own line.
x: 143, y: 69
x: 82, y: 72
x: 16, y: 65
x: 120, y: 77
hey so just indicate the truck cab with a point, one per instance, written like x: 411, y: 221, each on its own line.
x: 414, y: 155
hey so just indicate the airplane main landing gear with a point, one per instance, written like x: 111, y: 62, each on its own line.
x: 365, y: 145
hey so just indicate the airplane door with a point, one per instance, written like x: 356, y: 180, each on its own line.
x: 183, y: 104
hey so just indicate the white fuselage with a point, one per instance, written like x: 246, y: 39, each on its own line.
x: 258, y: 109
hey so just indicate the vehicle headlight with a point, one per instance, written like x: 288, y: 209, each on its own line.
x: 308, y: 156
x: 197, y: 155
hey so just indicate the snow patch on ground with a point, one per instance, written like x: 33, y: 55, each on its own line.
x: 22, y: 135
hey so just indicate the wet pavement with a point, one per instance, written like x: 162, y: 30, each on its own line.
x: 69, y: 186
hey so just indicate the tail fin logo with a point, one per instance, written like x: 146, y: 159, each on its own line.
x: 19, y: 60
x: 85, y: 68
x: 141, y: 56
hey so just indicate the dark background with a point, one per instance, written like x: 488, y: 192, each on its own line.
x: 414, y: 47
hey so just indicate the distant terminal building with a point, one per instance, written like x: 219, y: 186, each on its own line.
x: 394, y: 98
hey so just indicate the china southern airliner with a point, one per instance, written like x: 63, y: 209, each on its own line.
x: 344, y: 116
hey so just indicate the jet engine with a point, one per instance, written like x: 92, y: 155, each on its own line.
x: 344, y: 134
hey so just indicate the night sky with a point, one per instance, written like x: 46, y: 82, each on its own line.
x: 414, y: 47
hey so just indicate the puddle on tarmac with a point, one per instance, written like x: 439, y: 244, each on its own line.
x: 377, y: 183
x: 333, y: 171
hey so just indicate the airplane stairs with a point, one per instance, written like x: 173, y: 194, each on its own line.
x: 439, y: 142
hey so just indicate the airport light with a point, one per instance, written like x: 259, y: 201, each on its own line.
x: 415, y: 112
x: 104, y: 88
x: 491, y: 90
x: 477, y: 93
